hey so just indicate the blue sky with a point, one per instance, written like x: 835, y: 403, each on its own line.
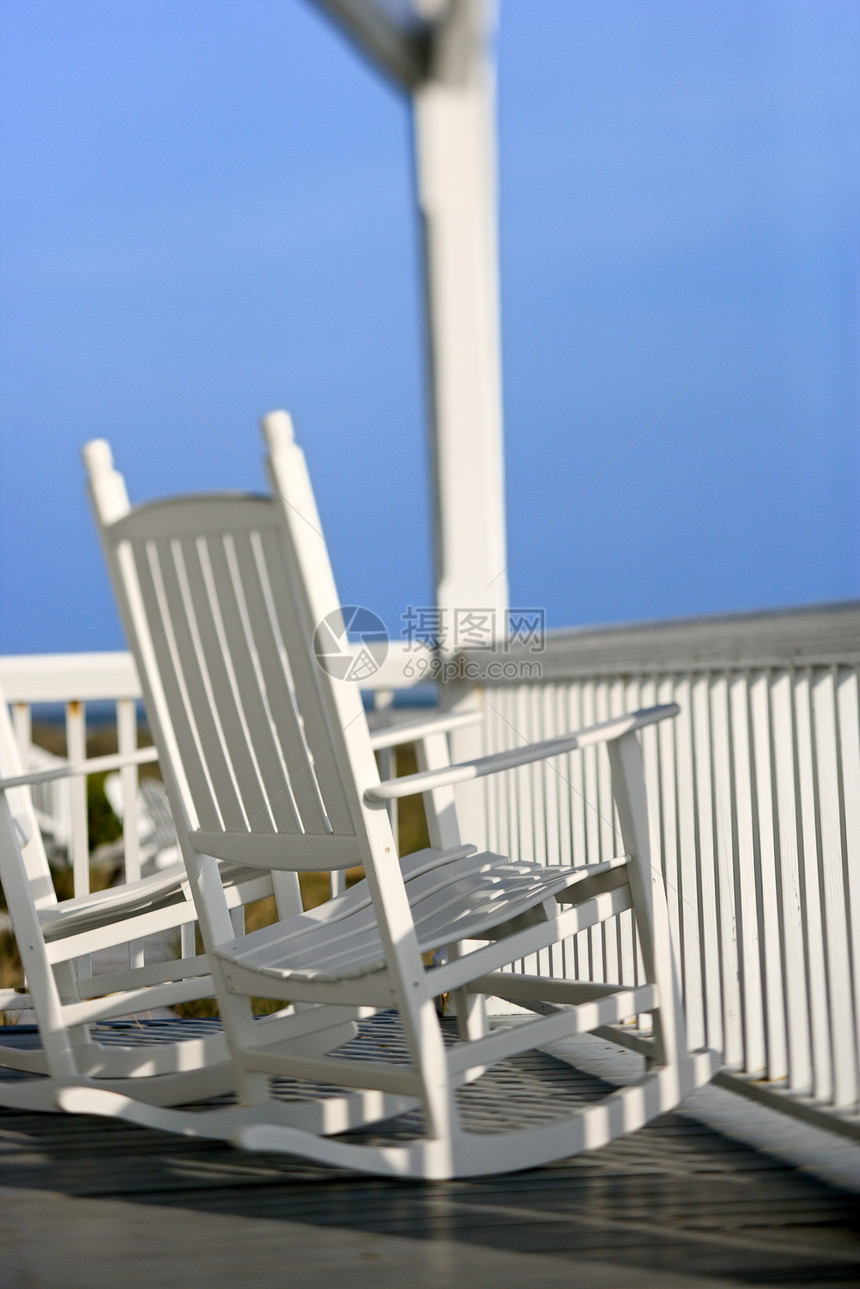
x: 215, y: 198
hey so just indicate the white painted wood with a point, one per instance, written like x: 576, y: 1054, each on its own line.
x: 565, y: 790
x: 777, y: 1051
x: 848, y: 699
x: 725, y: 834
x: 691, y: 955
x: 794, y: 980
x: 76, y: 750
x: 669, y: 817
x: 709, y: 922
x: 52, y: 678
x: 523, y: 754
x: 755, y: 1048
x: 524, y: 790
x: 411, y: 731
x: 495, y: 825
x: 773, y: 813
x: 365, y: 946
x: 625, y: 698
x: 453, y: 110
x: 833, y: 889
x: 819, y: 1012
x: 22, y: 722
x: 813, y: 635
x: 49, y: 933
x: 610, y: 843
x: 822, y: 635
x: 552, y: 781
x: 126, y: 727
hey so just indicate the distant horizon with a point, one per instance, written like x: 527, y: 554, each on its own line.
x: 207, y: 213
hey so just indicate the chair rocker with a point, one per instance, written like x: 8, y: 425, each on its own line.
x: 221, y: 596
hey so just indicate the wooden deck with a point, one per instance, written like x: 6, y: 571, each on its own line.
x: 704, y: 1196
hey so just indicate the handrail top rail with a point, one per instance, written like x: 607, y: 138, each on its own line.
x: 110, y: 676
x: 816, y: 635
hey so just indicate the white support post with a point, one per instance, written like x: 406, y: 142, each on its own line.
x: 456, y: 179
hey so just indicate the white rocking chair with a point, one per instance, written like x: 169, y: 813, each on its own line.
x: 221, y: 596
x: 55, y: 939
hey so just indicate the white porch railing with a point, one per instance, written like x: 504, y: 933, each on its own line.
x: 755, y: 797
x: 74, y: 680
x: 106, y: 685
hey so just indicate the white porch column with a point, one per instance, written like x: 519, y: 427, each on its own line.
x: 454, y: 108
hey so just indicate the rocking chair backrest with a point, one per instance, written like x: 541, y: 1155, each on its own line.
x: 220, y: 616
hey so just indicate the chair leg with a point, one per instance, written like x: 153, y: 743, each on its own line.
x: 427, y: 1054
x: 470, y: 1009
x: 240, y: 1027
x: 649, y: 897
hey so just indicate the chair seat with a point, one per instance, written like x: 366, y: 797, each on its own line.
x: 103, y: 908
x: 464, y: 898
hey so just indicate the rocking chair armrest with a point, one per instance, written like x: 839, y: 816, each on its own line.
x: 93, y: 765
x: 414, y: 731
x: 509, y: 760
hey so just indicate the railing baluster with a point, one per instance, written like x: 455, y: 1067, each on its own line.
x: 22, y: 722
x: 848, y: 699
x: 76, y: 750
x: 788, y: 823
x: 126, y: 734
x: 691, y: 955
x: 709, y: 926
x: 579, y: 838
x: 79, y: 848
x: 669, y: 788
x: 755, y: 1047
x: 769, y: 917
x: 836, y: 938
x: 725, y: 839
x: 822, y: 1059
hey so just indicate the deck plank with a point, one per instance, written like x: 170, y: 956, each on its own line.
x: 93, y: 1202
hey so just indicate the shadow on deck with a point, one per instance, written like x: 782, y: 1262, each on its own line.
x: 90, y: 1202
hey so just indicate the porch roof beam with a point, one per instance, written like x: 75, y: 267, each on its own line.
x: 402, y: 53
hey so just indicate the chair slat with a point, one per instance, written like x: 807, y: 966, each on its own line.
x: 318, y: 730
x: 303, y: 785
x: 200, y: 700
x: 835, y: 911
x: 467, y: 901
x: 250, y: 688
x: 163, y: 642
x: 206, y: 591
